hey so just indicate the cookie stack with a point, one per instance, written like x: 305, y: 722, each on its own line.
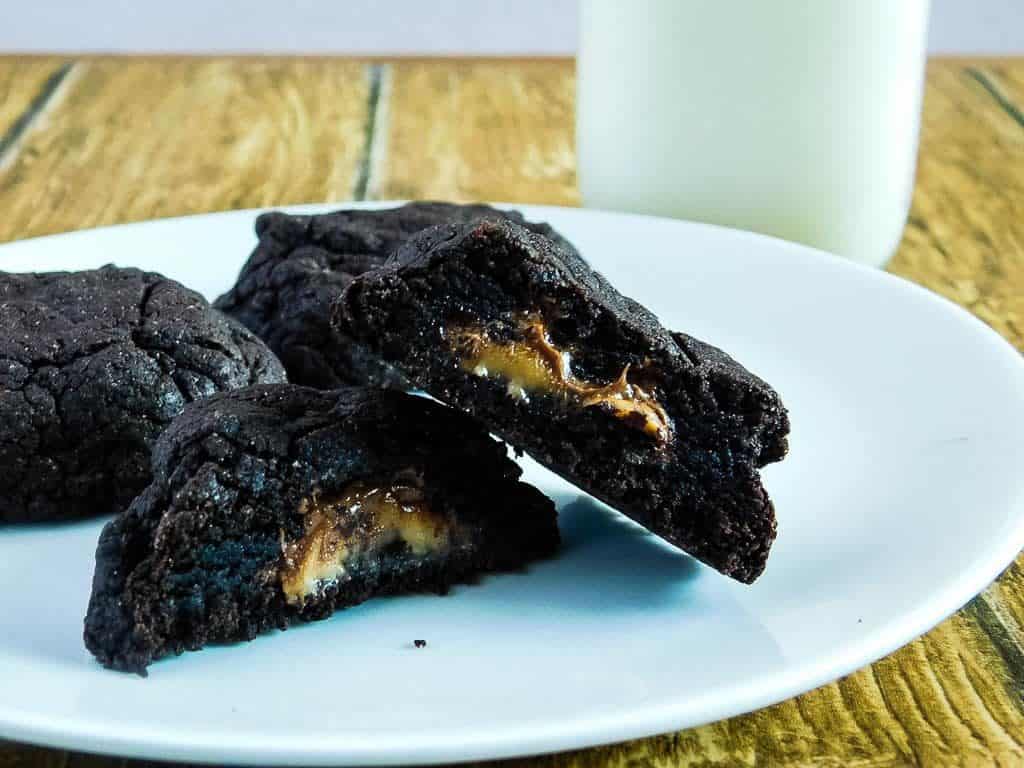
x: 243, y: 503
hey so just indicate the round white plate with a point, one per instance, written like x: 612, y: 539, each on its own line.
x: 902, y: 497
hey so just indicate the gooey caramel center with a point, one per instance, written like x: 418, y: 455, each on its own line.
x: 533, y: 364
x: 341, y: 530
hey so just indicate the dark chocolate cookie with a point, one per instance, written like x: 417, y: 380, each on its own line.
x: 278, y: 503
x: 302, y: 263
x: 498, y: 321
x: 93, y: 366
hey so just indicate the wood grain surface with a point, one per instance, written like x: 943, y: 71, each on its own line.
x: 477, y: 131
x: 168, y: 137
x: 26, y: 85
x: 100, y: 141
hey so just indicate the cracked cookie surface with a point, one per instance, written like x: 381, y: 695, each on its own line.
x: 302, y: 263
x: 278, y: 504
x: 93, y: 366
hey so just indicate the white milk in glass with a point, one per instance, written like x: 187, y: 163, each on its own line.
x: 797, y: 118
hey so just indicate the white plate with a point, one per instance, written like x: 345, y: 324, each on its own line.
x: 902, y: 497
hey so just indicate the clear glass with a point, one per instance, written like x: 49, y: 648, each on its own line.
x: 796, y: 118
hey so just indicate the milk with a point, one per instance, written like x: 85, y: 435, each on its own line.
x: 796, y: 118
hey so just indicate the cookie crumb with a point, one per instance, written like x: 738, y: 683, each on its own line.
x: 420, y: 643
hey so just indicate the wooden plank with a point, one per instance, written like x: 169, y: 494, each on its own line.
x: 21, y: 80
x: 150, y: 138
x: 478, y: 130
x: 965, y: 236
x: 25, y: 86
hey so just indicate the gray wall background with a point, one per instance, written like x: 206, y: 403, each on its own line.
x: 382, y: 27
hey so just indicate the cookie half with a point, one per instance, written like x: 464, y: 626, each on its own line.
x: 279, y: 504
x: 504, y: 324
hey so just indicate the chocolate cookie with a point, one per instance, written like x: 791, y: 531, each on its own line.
x: 498, y: 321
x: 278, y: 504
x: 93, y: 366
x: 302, y: 263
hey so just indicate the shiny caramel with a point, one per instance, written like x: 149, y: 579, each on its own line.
x: 534, y: 364
x: 354, y: 524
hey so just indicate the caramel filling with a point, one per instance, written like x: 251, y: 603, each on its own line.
x: 345, y: 529
x: 534, y: 364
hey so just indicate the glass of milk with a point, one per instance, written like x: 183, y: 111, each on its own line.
x: 796, y: 118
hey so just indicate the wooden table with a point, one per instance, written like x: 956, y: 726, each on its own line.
x: 100, y: 141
